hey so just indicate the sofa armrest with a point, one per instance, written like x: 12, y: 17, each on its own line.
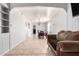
x: 51, y: 36
x: 67, y: 47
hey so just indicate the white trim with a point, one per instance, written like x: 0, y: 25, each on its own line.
x: 16, y: 44
x: 5, y: 52
x: 12, y: 47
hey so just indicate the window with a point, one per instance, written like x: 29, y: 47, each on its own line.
x: 5, y: 16
x: 5, y: 23
x: 5, y: 29
x: 4, y: 9
x: 4, y: 19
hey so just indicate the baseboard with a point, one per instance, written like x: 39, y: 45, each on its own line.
x: 12, y: 47
x: 5, y: 52
x: 17, y: 44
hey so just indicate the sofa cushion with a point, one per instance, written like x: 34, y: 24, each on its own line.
x: 74, y: 36
x: 62, y: 35
x: 58, y: 36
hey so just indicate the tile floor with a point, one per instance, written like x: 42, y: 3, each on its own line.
x: 31, y: 47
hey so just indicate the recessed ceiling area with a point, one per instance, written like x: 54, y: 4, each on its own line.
x: 38, y: 13
x: 58, y: 5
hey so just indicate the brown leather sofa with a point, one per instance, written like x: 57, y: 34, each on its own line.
x: 65, y: 43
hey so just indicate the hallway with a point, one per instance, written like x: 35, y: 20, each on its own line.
x: 31, y: 47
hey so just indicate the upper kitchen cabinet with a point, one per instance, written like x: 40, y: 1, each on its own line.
x: 4, y: 28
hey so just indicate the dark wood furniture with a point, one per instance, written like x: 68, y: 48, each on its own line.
x: 65, y: 43
x: 41, y: 34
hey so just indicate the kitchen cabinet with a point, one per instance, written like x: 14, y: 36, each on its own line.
x: 4, y: 28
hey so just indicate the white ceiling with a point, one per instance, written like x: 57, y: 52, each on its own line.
x: 58, y: 5
x: 34, y: 13
x: 37, y: 13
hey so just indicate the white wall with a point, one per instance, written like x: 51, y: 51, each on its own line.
x: 58, y: 21
x: 76, y: 23
x: 41, y: 27
x: 73, y: 22
x: 69, y: 18
x: 18, y: 28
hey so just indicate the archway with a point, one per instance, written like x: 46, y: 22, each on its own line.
x: 21, y: 17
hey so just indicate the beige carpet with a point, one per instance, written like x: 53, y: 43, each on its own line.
x: 31, y: 47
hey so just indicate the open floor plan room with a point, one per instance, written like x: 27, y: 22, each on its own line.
x: 39, y: 29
